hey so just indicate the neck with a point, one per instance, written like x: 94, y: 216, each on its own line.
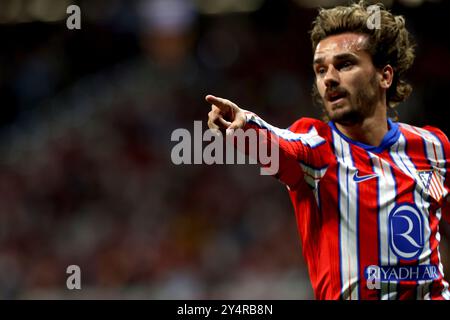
x: 370, y: 131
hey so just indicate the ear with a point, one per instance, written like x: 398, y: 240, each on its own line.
x: 387, y: 76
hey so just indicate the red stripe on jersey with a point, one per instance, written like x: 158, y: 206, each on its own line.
x: 368, y: 221
x: 416, y: 152
x: 446, y: 145
x: 330, y: 236
x: 436, y: 288
x: 423, y: 161
x: 406, y: 289
x: 319, y: 231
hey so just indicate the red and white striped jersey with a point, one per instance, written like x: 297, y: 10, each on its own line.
x: 367, y: 216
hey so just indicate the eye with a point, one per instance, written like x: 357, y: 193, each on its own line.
x: 321, y: 71
x: 346, y: 65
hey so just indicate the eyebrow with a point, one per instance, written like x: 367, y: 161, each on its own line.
x: 342, y: 56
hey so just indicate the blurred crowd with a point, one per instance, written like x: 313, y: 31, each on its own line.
x: 86, y: 120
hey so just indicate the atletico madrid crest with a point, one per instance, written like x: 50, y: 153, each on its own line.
x: 432, y: 184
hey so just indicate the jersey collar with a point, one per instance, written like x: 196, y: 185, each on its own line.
x: 388, y: 140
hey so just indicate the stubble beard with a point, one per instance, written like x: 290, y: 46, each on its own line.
x: 359, y: 107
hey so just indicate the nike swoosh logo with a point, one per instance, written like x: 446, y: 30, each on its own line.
x: 359, y: 179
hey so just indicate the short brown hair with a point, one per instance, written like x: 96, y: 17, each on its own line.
x: 390, y: 44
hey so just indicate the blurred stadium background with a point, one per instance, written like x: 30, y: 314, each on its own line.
x: 86, y: 119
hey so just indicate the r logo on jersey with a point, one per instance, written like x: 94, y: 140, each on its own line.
x: 406, y: 231
x: 432, y: 184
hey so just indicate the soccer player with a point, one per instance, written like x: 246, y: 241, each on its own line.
x: 368, y: 192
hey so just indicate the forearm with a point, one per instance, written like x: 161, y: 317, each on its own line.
x: 291, y: 145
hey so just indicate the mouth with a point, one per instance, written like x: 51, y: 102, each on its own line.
x: 334, y: 98
x: 337, y: 101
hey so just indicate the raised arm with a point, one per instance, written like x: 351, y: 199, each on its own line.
x: 294, y: 149
x: 227, y: 116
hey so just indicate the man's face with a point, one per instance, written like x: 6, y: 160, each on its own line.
x: 346, y: 78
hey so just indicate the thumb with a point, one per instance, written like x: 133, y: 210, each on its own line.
x: 238, y: 123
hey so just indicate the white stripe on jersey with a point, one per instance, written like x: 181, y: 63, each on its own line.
x: 434, y: 150
x: 437, y: 189
x: 348, y: 222
x: 386, y: 202
x: 435, y: 154
x: 312, y: 177
x: 445, y: 292
x: 404, y: 163
x: 311, y: 139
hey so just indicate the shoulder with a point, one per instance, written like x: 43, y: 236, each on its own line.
x: 305, y: 125
x: 438, y: 133
x: 427, y: 132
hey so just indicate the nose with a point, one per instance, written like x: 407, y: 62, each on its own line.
x: 331, y: 78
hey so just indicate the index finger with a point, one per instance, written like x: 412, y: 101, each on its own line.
x: 222, y: 104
